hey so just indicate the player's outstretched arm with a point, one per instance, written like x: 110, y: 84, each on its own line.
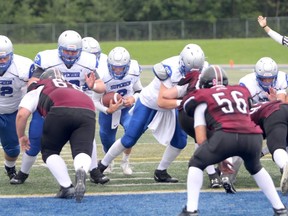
x: 273, y: 34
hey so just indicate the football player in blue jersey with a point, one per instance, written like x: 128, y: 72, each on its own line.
x: 121, y: 74
x: 14, y: 76
x: 154, y: 112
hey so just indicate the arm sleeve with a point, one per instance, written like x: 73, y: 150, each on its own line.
x: 137, y: 89
x: 97, y: 101
x: 31, y: 99
x: 277, y: 37
x: 199, y: 115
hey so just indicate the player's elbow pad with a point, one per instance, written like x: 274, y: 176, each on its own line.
x: 161, y: 71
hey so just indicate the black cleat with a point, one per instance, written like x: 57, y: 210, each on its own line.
x: 215, y: 181
x: 66, y: 193
x: 163, y: 176
x: 280, y: 212
x: 20, y: 178
x: 187, y: 213
x: 228, y: 186
x: 11, y: 172
x: 101, y: 167
x: 97, y: 177
x: 80, y: 187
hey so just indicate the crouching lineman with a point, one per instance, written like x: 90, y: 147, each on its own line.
x: 69, y: 116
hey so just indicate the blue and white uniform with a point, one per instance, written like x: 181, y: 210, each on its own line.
x: 13, y: 86
x: 127, y: 86
x: 164, y: 120
x: 75, y: 74
x: 257, y: 92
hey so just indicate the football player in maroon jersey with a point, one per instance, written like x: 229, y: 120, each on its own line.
x: 69, y: 116
x: 224, y: 110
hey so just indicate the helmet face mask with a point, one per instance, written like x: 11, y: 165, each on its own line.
x: 118, y: 62
x: 6, y: 54
x: 266, y: 71
x: 89, y: 44
x: 69, y: 47
x: 191, y: 58
x: 213, y: 75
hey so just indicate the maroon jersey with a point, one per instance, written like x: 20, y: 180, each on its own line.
x: 191, y: 78
x: 227, y: 108
x: 261, y: 111
x: 59, y: 93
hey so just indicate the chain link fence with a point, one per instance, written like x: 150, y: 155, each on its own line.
x: 148, y: 30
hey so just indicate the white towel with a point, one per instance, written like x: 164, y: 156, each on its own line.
x: 163, y: 126
x: 115, y: 119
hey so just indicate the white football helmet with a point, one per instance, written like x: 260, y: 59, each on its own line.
x: 69, y: 41
x: 266, y: 68
x: 118, y: 62
x: 89, y: 44
x: 191, y: 58
x: 6, y: 52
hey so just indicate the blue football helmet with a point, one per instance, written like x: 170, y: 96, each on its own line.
x: 118, y: 62
x: 266, y: 68
x: 69, y: 47
x: 191, y: 58
x: 6, y: 54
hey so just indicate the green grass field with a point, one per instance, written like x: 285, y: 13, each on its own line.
x: 218, y: 51
x: 147, y: 153
x: 144, y: 159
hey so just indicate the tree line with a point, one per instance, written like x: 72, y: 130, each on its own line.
x: 78, y: 11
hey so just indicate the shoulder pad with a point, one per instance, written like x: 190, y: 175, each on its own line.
x: 161, y: 71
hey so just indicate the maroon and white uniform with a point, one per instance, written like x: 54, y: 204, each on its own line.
x: 69, y: 116
x: 272, y: 117
x: 225, y: 111
x: 190, y: 83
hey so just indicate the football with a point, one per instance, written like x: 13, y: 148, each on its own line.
x: 105, y: 100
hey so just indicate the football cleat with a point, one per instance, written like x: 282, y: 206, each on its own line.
x: 97, y: 177
x: 101, y: 167
x: 126, y: 168
x: 215, y: 181
x: 110, y: 168
x: 10, y: 171
x: 163, y: 176
x: 20, y: 178
x: 66, y: 193
x: 284, y: 180
x: 280, y: 212
x: 187, y: 213
x: 80, y: 187
x: 228, y: 186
